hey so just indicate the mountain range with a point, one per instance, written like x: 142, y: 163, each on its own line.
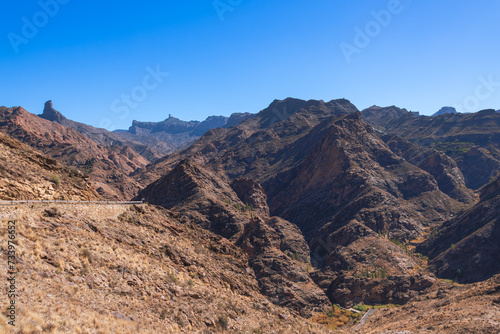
x: 311, y: 203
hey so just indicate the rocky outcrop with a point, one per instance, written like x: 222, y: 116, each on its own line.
x: 174, y: 134
x: 252, y: 194
x: 278, y: 259
x: 50, y: 114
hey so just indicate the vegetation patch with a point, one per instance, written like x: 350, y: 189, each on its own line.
x: 336, y: 317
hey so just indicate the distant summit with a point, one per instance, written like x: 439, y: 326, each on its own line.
x: 445, y: 110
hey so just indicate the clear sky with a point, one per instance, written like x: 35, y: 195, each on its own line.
x: 107, y: 63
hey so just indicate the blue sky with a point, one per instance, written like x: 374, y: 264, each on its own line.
x: 94, y: 59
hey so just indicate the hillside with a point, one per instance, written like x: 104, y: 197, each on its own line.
x: 472, y: 140
x: 100, y: 136
x: 28, y: 174
x: 466, y: 248
x: 119, y: 269
x: 107, y: 167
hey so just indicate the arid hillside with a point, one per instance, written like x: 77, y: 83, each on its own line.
x: 120, y: 269
x: 108, y: 167
x: 27, y: 174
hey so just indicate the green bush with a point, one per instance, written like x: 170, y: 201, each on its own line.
x: 55, y: 179
x: 361, y: 308
x: 223, y: 322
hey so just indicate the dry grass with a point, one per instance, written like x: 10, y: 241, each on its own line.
x: 113, y: 269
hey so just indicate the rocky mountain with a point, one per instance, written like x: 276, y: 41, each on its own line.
x: 107, y: 167
x: 445, y: 110
x: 173, y: 134
x: 100, y: 136
x: 257, y: 140
x: 260, y: 226
x: 472, y: 140
x: 276, y: 249
x: 466, y: 248
x: 329, y: 173
x: 380, y: 117
x: 28, y: 174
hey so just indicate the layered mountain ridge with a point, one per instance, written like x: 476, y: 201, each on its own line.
x: 324, y: 204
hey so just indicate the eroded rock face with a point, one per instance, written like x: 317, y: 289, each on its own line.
x: 251, y: 193
x: 200, y: 196
x: 282, y: 275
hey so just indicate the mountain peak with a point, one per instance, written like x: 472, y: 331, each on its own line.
x: 445, y: 110
x: 50, y: 114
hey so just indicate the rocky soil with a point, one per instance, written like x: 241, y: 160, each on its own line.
x: 117, y: 269
x: 27, y: 174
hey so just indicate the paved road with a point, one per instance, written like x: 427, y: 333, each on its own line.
x: 363, y: 320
